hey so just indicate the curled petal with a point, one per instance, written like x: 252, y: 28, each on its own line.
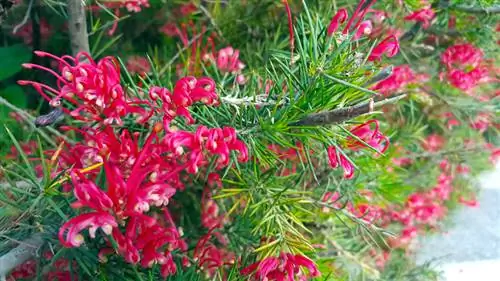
x: 339, y: 18
x: 389, y: 46
x: 74, y: 226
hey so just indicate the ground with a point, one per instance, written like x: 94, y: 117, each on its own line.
x: 470, y: 249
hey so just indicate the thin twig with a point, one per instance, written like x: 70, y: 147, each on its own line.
x: 259, y: 100
x: 477, y: 10
x: 212, y: 21
x: 25, y: 19
x: 345, y: 113
x: 169, y: 63
x: 17, y: 256
x: 77, y: 25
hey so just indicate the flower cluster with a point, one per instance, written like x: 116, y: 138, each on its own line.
x: 465, y: 66
x: 187, y: 91
x: 365, y: 136
x: 93, y: 88
x: 282, y: 268
x: 423, y: 16
x: 131, y: 5
x: 138, y: 65
x: 401, y: 77
x: 141, y: 177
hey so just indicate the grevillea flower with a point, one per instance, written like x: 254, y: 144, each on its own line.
x: 335, y: 158
x: 423, y: 16
x: 131, y: 5
x: 401, y: 76
x: 69, y: 233
x: 465, y: 66
x: 187, y: 91
x: 187, y: 9
x: 138, y: 65
x: 481, y: 122
x: 468, y: 202
x: 361, y: 27
x: 332, y: 198
x: 93, y: 88
x: 370, y: 136
x: 365, y: 28
x: 210, y: 216
x: 339, y: 18
x: 389, y: 46
x: 433, y: 143
x: 286, y: 267
x: 227, y: 60
x: 209, y: 257
x: 203, y: 143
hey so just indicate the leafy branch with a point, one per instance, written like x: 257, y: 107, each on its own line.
x: 345, y: 113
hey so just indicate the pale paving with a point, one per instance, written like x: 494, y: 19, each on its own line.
x: 470, y: 250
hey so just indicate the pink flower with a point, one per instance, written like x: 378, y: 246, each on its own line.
x: 433, y: 143
x: 365, y: 28
x: 93, y: 88
x: 463, y: 169
x: 332, y: 198
x: 138, y: 65
x: 210, y: 217
x: 227, y: 60
x: 423, y: 16
x: 209, y: 257
x: 481, y: 122
x: 402, y: 161
x: 470, y: 202
x: 205, y: 142
x: 187, y: 9
x: 92, y: 221
x: 285, y: 267
x: 339, y: 18
x: 370, y: 136
x: 187, y: 91
x: 170, y: 29
x: 401, y: 76
x: 389, y: 46
x: 407, y: 235
x: 335, y: 157
x: 465, y: 67
x: 131, y: 5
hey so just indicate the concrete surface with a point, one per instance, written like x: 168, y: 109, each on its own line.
x: 470, y: 250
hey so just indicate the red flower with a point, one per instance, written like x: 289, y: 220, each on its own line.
x: 423, y: 16
x: 401, y: 76
x: 138, y: 65
x: 389, y: 46
x: 470, y: 202
x: 228, y: 60
x: 209, y: 257
x: 365, y: 28
x: 94, y: 88
x: 481, y: 122
x: 372, y: 137
x: 335, y: 157
x: 465, y: 67
x: 92, y: 221
x: 283, y: 268
x: 339, y: 18
x: 187, y: 91
x: 433, y: 143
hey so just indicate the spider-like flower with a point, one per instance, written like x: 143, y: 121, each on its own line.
x: 92, y: 87
x: 285, y: 267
